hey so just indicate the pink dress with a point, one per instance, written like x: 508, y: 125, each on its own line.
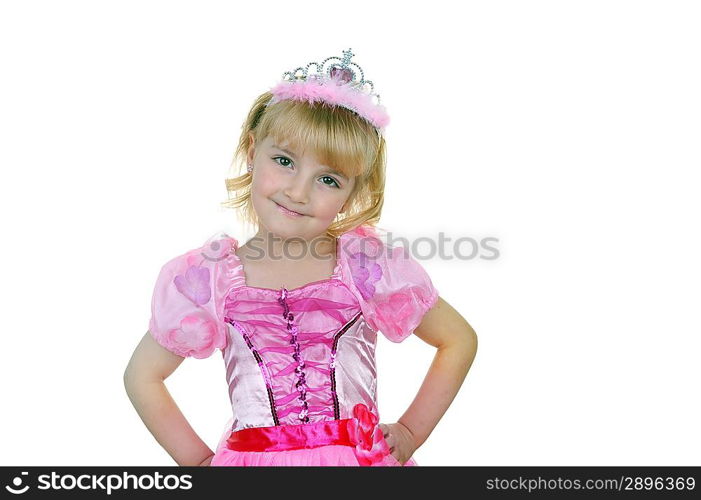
x: 299, y: 363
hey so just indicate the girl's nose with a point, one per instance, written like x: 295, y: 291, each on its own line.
x: 297, y: 190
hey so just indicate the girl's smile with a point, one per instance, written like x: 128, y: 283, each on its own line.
x: 289, y: 213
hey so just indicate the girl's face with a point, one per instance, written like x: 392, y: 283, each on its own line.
x: 284, y: 181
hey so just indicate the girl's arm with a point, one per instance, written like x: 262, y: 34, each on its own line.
x: 148, y: 367
x: 444, y: 328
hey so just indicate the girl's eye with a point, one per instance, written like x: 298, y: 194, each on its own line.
x: 332, y: 180
x: 282, y: 158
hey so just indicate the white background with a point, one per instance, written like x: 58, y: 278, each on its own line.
x: 569, y: 131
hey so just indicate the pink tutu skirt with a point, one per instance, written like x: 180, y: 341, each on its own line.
x: 328, y: 455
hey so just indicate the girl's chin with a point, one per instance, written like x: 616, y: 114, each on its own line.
x: 294, y: 229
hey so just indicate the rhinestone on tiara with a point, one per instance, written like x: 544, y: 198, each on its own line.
x: 340, y: 71
x: 337, y: 81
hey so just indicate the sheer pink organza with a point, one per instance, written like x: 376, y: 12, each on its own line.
x: 328, y: 455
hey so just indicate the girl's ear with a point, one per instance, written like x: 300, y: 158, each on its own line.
x: 251, y: 148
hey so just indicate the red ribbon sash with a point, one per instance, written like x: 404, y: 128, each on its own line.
x: 290, y: 437
x: 361, y: 432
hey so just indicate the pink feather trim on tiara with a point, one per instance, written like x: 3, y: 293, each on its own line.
x: 329, y: 90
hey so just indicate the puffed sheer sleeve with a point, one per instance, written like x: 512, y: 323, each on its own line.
x: 394, y: 290
x: 185, y: 306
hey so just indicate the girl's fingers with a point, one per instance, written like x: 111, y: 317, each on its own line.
x: 388, y: 437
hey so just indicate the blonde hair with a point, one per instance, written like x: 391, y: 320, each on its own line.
x: 337, y: 136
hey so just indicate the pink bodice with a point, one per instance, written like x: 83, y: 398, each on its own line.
x: 292, y: 356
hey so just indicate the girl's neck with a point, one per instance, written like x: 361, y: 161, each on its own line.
x: 321, y: 245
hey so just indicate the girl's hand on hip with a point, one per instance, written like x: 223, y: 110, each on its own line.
x: 400, y: 441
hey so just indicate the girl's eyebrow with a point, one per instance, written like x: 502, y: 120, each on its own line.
x: 336, y: 172
x: 284, y: 150
x: 293, y: 156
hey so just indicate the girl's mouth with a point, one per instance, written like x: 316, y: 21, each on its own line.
x: 289, y: 213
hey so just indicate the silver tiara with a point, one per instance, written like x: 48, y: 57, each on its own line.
x: 337, y: 81
x: 341, y: 70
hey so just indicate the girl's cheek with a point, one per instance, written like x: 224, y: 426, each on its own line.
x: 334, y: 208
x: 266, y: 182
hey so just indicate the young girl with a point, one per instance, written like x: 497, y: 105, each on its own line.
x: 295, y: 311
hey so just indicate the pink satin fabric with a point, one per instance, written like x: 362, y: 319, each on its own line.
x: 202, y: 303
x: 360, y: 432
